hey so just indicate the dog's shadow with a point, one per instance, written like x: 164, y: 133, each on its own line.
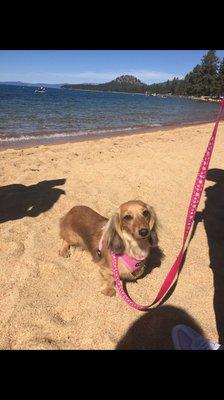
x: 153, y: 261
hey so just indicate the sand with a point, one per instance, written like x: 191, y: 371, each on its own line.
x: 48, y: 302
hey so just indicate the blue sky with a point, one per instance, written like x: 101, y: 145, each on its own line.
x: 96, y: 66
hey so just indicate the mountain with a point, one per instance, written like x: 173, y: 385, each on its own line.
x: 19, y: 83
x: 123, y: 83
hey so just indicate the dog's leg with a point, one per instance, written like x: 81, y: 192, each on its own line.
x: 108, y: 286
x: 64, y: 251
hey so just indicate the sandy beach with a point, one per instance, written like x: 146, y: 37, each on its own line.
x: 48, y: 302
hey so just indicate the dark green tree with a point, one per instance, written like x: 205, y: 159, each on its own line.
x: 209, y: 74
x: 221, y: 78
x: 206, y: 79
x: 193, y: 82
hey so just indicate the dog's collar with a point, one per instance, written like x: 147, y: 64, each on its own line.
x: 130, y: 262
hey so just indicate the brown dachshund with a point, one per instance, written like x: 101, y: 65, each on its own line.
x: 129, y: 233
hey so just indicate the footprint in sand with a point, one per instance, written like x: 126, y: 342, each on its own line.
x: 12, y: 248
x: 39, y: 343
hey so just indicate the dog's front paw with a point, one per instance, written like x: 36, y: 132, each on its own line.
x: 64, y: 253
x: 108, y: 291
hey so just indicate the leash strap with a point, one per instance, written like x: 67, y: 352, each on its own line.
x: 195, y: 199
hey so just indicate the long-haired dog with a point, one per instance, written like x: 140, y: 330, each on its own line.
x: 129, y: 233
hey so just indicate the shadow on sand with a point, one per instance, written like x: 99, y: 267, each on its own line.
x: 152, y: 331
x: 213, y: 218
x: 19, y: 201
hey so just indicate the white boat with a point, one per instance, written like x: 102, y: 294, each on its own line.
x: 40, y: 90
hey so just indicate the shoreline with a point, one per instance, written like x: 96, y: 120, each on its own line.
x: 95, y: 137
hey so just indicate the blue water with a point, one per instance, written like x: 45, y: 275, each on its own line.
x: 26, y: 116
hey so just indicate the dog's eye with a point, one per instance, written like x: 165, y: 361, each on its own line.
x: 128, y: 217
x: 146, y: 213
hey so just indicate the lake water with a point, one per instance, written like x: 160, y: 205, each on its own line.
x: 27, y: 117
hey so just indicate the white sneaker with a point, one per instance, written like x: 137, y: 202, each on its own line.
x: 185, y: 338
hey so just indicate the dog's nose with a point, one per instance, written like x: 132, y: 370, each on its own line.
x: 143, y: 232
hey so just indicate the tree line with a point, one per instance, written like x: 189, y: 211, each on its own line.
x: 206, y: 79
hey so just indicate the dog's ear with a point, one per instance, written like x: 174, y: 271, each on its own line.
x: 153, y: 218
x: 153, y: 226
x: 113, y: 235
x: 153, y: 239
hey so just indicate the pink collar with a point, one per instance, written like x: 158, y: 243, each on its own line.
x: 130, y: 262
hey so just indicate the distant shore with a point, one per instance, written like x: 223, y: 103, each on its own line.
x: 201, y: 98
x: 101, y: 91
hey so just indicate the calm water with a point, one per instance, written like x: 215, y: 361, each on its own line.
x: 26, y: 116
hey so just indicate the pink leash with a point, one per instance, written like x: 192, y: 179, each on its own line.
x: 195, y: 199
